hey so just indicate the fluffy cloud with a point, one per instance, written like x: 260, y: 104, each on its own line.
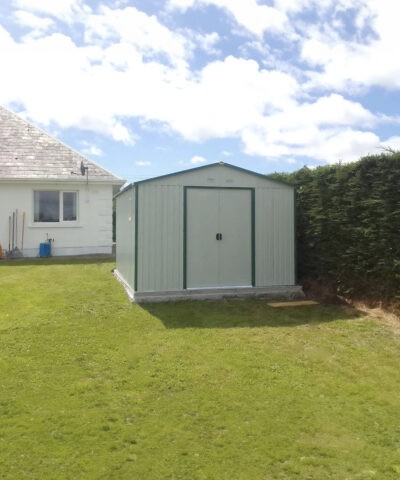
x: 89, y: 149
x: 38, y: 25
x: 363, y: 60
x: 323, y: 130
x: 249, y: 14
x: 227, y: 96
x: 143, y: 163
x: 392, y: 143
x: 197, y: 159
x: 62, y: 9
x: 133, y: 66
x: 55, y: 87
x: 132, y: 27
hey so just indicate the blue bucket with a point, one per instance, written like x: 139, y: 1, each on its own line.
x: 45, y: 249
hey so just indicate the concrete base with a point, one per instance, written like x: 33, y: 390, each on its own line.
x: 279, y: 292
x: 284, y: 292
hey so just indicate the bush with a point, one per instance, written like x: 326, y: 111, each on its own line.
x: 348, y: 225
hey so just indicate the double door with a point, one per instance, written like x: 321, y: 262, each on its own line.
x: 218, y: 237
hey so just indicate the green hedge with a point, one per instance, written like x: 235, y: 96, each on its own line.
x: 348, y: 225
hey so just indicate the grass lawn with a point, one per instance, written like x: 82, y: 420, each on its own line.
x: 92, y: 387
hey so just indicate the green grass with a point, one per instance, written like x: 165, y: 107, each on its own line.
x: 92, y: 387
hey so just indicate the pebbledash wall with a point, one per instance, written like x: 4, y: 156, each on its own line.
x: 91, y: 233
x: 173, y: 230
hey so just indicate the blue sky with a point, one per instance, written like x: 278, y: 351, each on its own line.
x: 149, y: 87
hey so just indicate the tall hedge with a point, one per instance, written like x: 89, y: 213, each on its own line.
x: 348, y: 225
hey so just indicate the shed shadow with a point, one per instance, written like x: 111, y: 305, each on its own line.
x: 244, y: 314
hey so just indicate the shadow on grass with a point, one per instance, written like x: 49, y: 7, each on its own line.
x: 244, y: 314
x: 67, y: 260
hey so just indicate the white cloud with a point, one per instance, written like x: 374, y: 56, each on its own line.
x: 328, y: 145
x: 291, y: 160
x: 249, y: 14
x: 55, y: 81
x: 227, y: 96
x: 143, y: 163
x: 323, y: 129
x: 392, y: 143
x: 206, y: 42
x: 180, y: 4
x: 132, y: 27
x: 39, y: 25
x: 197, y: 159
x: 363, y: 60
x: 345, y: 146
x: 121, y: 73
x: 62, y: 9
x: 90, y: 149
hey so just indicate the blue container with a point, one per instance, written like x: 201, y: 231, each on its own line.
x: 45, y: 249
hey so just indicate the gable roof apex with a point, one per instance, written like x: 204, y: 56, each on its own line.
x: 215, y: 164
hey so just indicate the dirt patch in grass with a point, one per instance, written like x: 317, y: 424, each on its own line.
x: 384, y: 311
x: 380, y: 313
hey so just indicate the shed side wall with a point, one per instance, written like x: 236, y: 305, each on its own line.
x: 125, y: 232
x: 160, y: 238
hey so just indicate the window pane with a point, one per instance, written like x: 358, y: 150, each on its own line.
x: 69, y: 206
x: 46, y: 206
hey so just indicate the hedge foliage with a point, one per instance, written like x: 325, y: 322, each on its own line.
x: 348, y: 225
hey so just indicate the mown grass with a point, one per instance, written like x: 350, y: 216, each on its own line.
x: 92, y: 387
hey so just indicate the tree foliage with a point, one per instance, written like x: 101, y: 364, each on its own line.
x: 348, y: 225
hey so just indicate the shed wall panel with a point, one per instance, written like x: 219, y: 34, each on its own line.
x: 160, y: 238
x: 274, y: 237
x: 125, y: 233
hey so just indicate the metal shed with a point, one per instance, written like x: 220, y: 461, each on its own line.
x: 209, y: 232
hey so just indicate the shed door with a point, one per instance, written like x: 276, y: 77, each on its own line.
x: 218, y: 237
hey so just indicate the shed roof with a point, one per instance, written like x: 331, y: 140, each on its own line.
x: 204, y: 167
x: 28, y: 153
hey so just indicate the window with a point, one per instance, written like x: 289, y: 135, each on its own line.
x: 55, y: 206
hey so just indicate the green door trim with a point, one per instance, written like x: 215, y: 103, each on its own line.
x: 253, y: 237
x: 253, y: 228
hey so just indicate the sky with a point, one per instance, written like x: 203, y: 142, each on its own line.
x: 150, y: 87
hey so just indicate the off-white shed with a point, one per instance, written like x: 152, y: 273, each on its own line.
x: 208, y: 232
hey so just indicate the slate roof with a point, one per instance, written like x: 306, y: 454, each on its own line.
x: 27, y: 152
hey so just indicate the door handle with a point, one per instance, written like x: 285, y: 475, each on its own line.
x: 218, y: 236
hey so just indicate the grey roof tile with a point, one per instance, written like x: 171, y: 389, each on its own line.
x: 27, y: 152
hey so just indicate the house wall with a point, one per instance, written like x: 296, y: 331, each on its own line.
x: 91, y: 234
x: 161, y: 227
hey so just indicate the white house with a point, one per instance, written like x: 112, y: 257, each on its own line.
x: 208, y: 232
x: 50, y: 192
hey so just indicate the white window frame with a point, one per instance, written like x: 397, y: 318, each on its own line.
x: 61, y: 221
